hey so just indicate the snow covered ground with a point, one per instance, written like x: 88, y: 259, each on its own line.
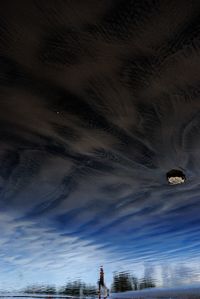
x: 162, y: 293
x: 154, y: 293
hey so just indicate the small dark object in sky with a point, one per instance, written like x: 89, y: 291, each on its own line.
x: 176, y: 176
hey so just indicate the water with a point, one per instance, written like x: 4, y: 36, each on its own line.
x: 99, y: 108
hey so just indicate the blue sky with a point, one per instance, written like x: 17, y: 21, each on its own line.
x: 54, y: 248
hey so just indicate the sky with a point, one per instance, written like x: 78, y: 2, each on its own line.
x: 99, y: 100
